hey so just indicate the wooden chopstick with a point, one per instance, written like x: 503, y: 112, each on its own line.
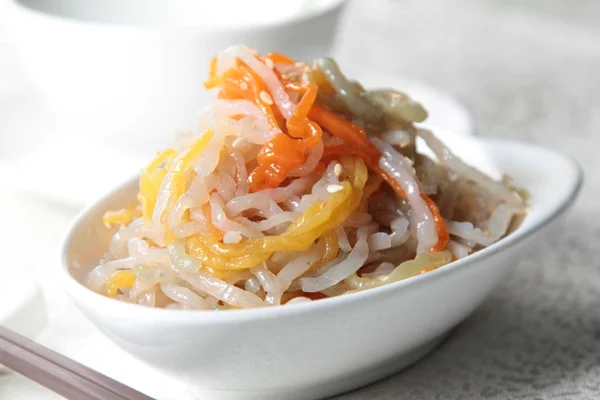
x: 58, y: 373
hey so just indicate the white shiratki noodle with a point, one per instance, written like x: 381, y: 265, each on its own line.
x: 252, y: 285
x: 468, y: 243
x: 400, y: 232
x: 148, y: 297
x: 241, y: 173
x: 422, y: 221
x: 277, y: 219
x: 399, y: 235
x: 371, y: 228
x: 118, y: 243
x: 458, y: 250
x: 162, y: 198
x: 292, y: 203
x: 222, y: 290
x: 497, y: 226
x: 153, y: 276
x: 248, y: 127
x: 195, y: 197
x: 337, y: 273
x: 184, y: 296
x: 138, y: 288
x: 312, y: 160
x: 227, y: 60
x: 97, y: 277
x: 274, y: 209
x: 319, y: 190
x: 227, y: 187
x: 227, y: 164
x: 225, y: 224
x: 343, y: 241
x: 197, y: 215
x: 248, y: 109
x: 445, y: 156
x: 267, y: 279
x: 260, y: 199
x: 204, y: 165
x: 293, y: 270
x: 183, y: 229
x: 397, y: 137
x: 180, y: 260
x: 208, y: 160
x: 238, y: 276
x: 144, y: 254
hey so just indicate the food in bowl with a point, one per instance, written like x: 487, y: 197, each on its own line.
x: 299, y: 185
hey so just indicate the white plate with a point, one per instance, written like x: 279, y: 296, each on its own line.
x: 22, y: 305
x: 75, y: 169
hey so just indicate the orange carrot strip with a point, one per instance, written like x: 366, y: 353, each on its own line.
x: 279, y: 58
x: 440, y: 225
x: 277, y: 157
x: 284, y: 152
x: 343, y: 129
x: 338, y: 126
x: 241, y: 82
x: 297, y: 123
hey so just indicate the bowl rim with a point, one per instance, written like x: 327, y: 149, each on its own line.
x: 528, y: 227
x: 332, y: 7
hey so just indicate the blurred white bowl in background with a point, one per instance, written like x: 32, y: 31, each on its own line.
x: 131, y: 72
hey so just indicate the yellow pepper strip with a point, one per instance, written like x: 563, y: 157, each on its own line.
x: 118, y: 280
x: 373, y: 184
x: 176, y: 174
x: 122, y: 217
x: 331, y: 244
x: 317, y: 220
x: 223, y: 275
x: 199, y: 246
x: 150, y: 181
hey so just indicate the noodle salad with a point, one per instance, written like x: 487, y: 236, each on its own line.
x: 299, y: 185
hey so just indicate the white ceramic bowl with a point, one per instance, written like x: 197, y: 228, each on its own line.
x: 313, y: 350
x: 132, y: 71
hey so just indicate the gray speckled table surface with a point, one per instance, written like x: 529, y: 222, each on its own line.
x: 528, y: 70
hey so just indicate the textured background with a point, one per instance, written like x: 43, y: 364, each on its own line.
x: 528, y: 70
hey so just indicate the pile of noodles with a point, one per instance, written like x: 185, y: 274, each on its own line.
x: 299, y: 185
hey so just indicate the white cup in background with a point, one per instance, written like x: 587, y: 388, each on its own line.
x: 131, y: 72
